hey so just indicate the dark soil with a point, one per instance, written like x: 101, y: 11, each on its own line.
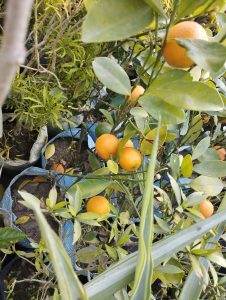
x: 41, y: 191
x: 67, y: 154
x: 27, y: 290
x: 17, y: 141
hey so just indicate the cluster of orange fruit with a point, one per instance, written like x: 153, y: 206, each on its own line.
x: 107, y: 146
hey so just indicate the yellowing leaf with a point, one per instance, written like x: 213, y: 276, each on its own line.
x: 186, y: 166
x: 23, y: 184
x: 52, y: 197
x: 50, y: 150
x: 22, y: 220
x: 112, y: 166
x: 147, y: 144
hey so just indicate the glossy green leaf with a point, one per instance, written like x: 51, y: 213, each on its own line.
x: 112, y: 75
x: 10, y: 236
x: 155, y: 106
x: 91, y: 187
x: 68, y: 282
x: 210, y: 56
x: 157, y: 6
x: 189, y: 95
x: 187, y: 166
x: 209, y: 185
x: 212, y: 168
x: 201, y: 148
x: 114, y: 20
x: 121, y: 273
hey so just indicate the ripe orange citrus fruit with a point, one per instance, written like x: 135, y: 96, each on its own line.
x: 107, y: 145
x: 135, y: 94
x: 220, y: 151
x: 99, y: 205
x: 129, y: 144
x: 57, y: 167
x: 206, y: 208
x: 174, y: 54
x: 130, y: 159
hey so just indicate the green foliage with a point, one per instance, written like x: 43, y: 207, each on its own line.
x: 117, y: 18
x: 35, y: 105
x: 10, y: 236
x: 112, y: 75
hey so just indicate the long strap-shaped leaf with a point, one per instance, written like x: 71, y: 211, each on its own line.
x: 68, y: 282
x: 193, y: 285
x: 120, y: 274
x: 144, y: 268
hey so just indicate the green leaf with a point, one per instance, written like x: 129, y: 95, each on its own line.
x: 112, y: 166
x: 189, y: 95
x: 194, y: 199
x: 107, y: 116
x: 169, y: 269
x: 112, y: 75
x: 77, y: 231
x: 175, y: 188
x: 201, y: 148
x: 187, y: 8
x: 147, y: 143
x: 120, y: 274
x: 210, y: 56
x: 186, y: 166
x: 163, y: 224
x: 196, y: 266
x: 88, y: 216
x: 68, y: 282
x: 212, y: 168
x: 208, y: 185
x: 218, y: 259
x: 114, y: 20
x: 194, y: 131
x: 94, y: 161
x: 10, y: 236
x: 155, y: 106
x: 156, y: 5
x: 91, y: 187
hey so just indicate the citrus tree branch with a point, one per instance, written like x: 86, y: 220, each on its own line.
x: 12, y: 52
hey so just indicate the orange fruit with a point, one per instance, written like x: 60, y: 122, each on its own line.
x: 99, y: 205
x: 206, y: 208
x: 57, y: 167
x: 135, y: 94
x: 220, y: 151
x: 130, y: 159
x: 107, y: 145
x: 176, y: 55
x: 129, y: 144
